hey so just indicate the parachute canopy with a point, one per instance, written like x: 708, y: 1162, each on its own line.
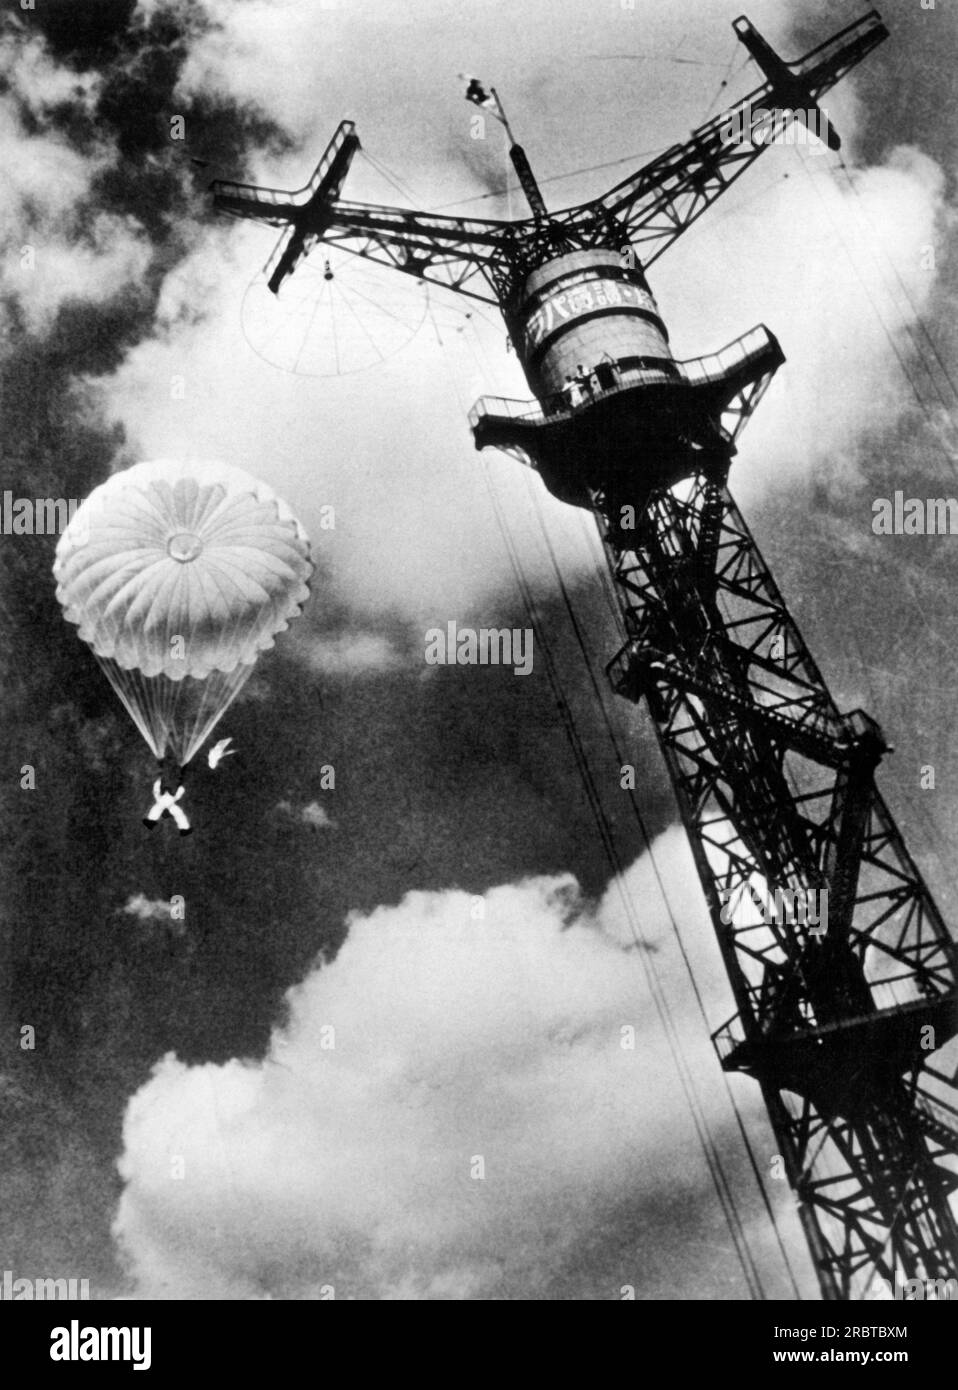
x: 177, y: 576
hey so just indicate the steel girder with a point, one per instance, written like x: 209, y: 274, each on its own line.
x: 842, y: 1027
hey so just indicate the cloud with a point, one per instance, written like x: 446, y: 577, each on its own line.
x: 101, y: 200
x: 100, y: 191
x: 156, y: 918
x: 36, y: 81
x: 113, y: 255
x: 451, y: 1035
x: 45, y: 179
x: 840, y: 266
x: 61, y: 252
x: 352, y: 654
x: 229, y: 59
x: 146, y: 909
x: 312, y: 814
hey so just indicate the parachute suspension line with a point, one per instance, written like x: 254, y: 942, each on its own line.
x: 139, y: 699
x: 243, y: 670
x: 219, y: 692
x: 143, y: 720
x: 713, y: 1163
x: 180, y: 714
x: 221, y: 688
x: 600, y: 695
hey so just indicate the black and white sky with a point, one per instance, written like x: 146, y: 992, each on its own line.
x: 377, y: 983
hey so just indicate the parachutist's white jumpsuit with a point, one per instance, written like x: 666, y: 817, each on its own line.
x: 165, y: 801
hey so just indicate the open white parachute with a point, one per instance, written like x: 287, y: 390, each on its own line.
x: 177, y: 576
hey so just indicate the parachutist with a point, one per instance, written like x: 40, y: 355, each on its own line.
x: 166, y: 803
x: 229, y: 597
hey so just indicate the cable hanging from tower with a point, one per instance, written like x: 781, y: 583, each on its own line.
x: 600, y: 695
x: 659, y: 997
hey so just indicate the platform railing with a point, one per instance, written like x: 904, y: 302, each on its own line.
x: 712, y: 369
x: 889, y: 996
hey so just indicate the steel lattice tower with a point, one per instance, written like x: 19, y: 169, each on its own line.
x: 840, y: 1020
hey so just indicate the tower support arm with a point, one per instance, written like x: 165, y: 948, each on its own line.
x: 467, y: 255
x: 450, y: 251
x: 459, y: 233
x: 656, y: 204
x: 280, y: 207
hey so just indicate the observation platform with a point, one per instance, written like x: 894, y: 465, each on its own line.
x: 639, y: 415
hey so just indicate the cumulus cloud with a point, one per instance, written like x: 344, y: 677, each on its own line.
x: 840, y: 265
x: 60, y: 254
x: 448, y: 1111
x: 34, y: 79
x: 113, y: 255
x: 230, y: 57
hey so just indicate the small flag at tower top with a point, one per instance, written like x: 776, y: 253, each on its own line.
x: 479, y: 96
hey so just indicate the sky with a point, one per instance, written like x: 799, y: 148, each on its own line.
x: 405, y: 1043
